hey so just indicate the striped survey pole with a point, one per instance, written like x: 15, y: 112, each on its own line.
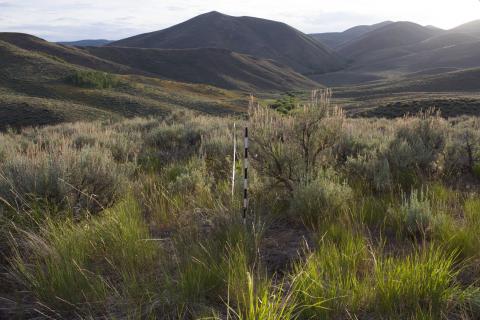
x: 234, y: 162
x: 245, y: 178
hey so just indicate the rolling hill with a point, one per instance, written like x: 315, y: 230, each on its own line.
x: 393, y: 35
x: 86, y: 43
x: 64, y: 53
x: 253, y: 36
x: 405, y: 50
x: 34, y: 90
x: 472, y: 28
x: 464, y: 80
x: 210, y: 62
x: 447, y: 50
x: 335, y: 40
x: 219, y: 67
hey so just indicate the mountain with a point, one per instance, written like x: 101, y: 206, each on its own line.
x: 435, y: 51
x: 393, y: 35
x: 87, y: 43
x: 253, y: 36
x: 436, y: 55
x: 219, y: 67
x: 337, y: 39
x: 472, y: 28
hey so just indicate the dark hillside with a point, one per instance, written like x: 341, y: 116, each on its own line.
x: 218, y: 67
x: 34, y: 90
x: 393, y: 35
x: 258, y: 37
x: 337, y: 39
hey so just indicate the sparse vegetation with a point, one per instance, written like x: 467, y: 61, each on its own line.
x: 349, y: 218
x: 93, y: 80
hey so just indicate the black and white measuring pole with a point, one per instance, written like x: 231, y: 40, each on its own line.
x: 245, y: 178
x: 234, y: 162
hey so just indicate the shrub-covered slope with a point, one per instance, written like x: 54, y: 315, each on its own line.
x: 37, y: 88
x: 347, y: 218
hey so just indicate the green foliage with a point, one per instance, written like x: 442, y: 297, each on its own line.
x: 85, y: 179
x: 462, y: 154
x: 329, y: 283
x: 476, y: 170
x: 320, y: 201
x: 416, y: 148
x: 93, y: 80
x: 285, y: 104
x: 291, y: 149
x: 176, y: 140
x: 422, y: 283
x: 135, y: 218
x: 61, y: 270
x: 264, y: 301
x: 417, y: 213
x: 371, y: 170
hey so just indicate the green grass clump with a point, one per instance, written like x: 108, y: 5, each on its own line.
x: 330, y: 282
x: 265, y: 301
x: 421, y: 283
x: 461, y: 236
x: 76, y: 267
x: 93, y: 80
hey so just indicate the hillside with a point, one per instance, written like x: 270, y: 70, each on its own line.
x: 451, y: 50
x: 463, y: 55
x: 207, y: 66
x: 404, y: 49
x: 390, y: 36
x: 465, y: 80
x: 85, y: 43
x: 64, y: 53
x: 219, y: 67
x: 472, y: 28
x: 336, y: 39
x: 253, y: 36
x: 34, y: 91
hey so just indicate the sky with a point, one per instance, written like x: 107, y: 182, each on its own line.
x: 62, y: 20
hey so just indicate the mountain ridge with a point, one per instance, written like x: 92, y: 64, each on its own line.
x: 230, y: 71
x: 337, y: 39
x: 248, y: 35
x: 86, y: 43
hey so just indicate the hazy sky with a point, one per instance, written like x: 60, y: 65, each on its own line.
x: 58, y: 20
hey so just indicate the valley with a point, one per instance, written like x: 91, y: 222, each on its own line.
x: 190, y: 66
x: 237, y: 168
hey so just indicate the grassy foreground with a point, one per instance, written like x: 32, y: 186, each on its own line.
x: 348, y: 219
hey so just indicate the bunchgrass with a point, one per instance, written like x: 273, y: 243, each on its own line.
x: 423, y: 282
x: 72, y: 267
x: 330, y: 281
